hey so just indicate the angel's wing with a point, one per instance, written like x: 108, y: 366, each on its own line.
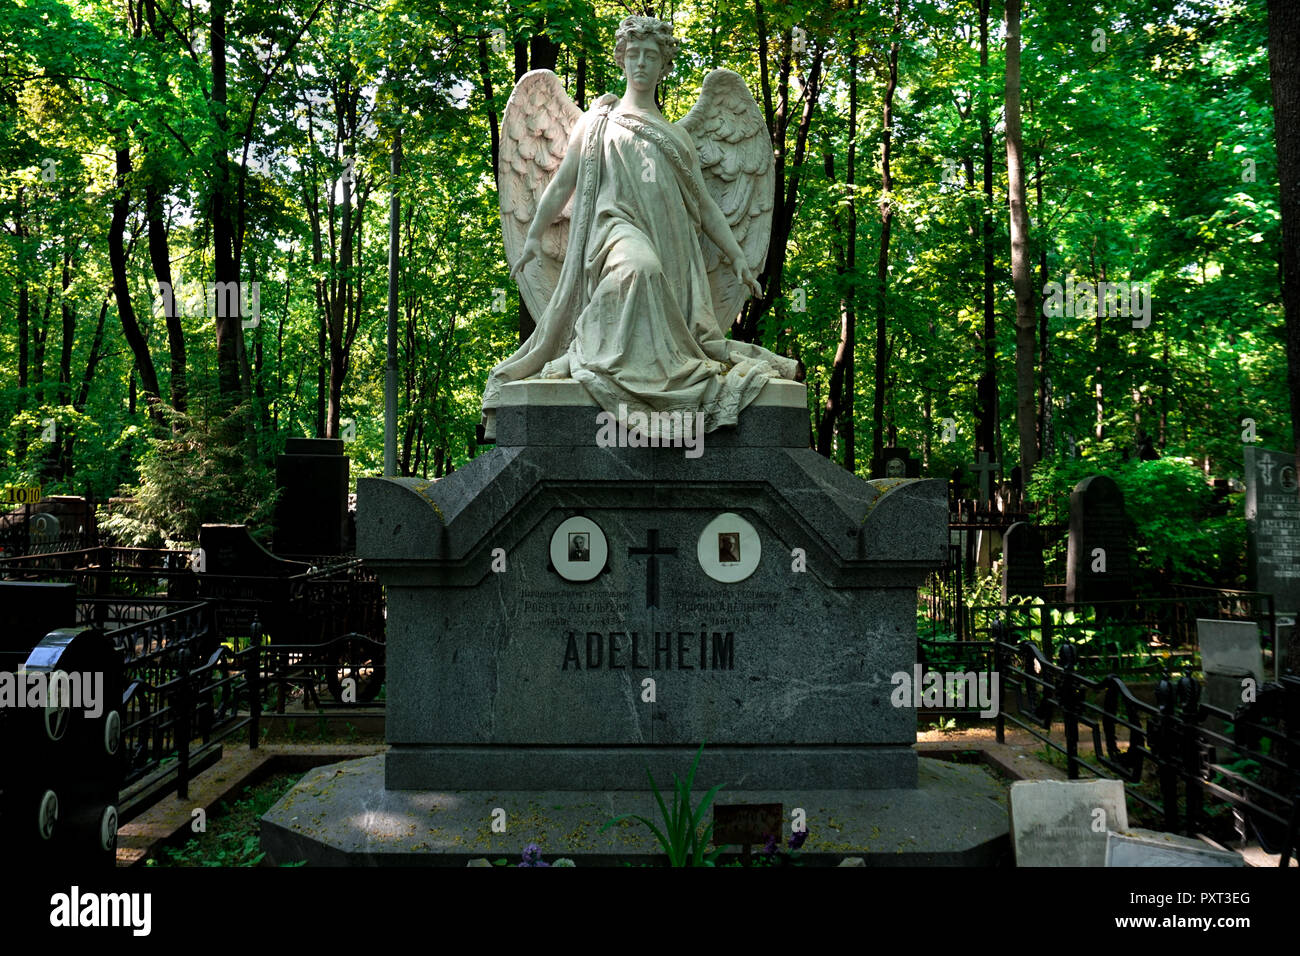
x: 535, y: 128
x: 735, y: 152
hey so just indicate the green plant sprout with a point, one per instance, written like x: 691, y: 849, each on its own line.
x: 681, y: 837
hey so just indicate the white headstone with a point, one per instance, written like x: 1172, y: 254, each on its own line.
x: 1230, y: 647
x: 1065, y: 822
x: 1148, y: 848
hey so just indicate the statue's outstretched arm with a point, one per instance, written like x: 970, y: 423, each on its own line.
x: 553, y: 200
x: 715, y: 226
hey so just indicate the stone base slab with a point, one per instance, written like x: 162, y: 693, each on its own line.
x: 341, y: 815
x: 624, y: 768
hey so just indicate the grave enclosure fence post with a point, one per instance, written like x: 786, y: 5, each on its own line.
x: 185, y: 699
x: 1191, y: 749
x: 253, y: 683
x: 1292, y: 835
x: 1164, y: 736
x: 999, y: 667
x: 1068, y: 694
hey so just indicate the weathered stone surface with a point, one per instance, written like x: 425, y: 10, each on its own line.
x: 342, y: 815
x: 1230, y: 648
x: 1152, y: 848
x: 1064, y: 823
x: 517, y: 677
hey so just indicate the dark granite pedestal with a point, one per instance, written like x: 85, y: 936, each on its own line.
x: 561, y: 614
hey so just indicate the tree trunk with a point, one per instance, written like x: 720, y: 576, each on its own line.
x: 38, y: 342
x: 341, y: 299
x: 160, y: 260
x: 1020, y: 266
x: 121, y: 287
x: 838, y: 411
x: 390, y: 328
x: 747, y: 327
x: 494, y: 121
x: 225, y: 264
x: 92, y: 361
x: 24, y: 306
x: 69, y: 330
x: 1044, y: 382
x: 882, y: 261
x: 322, y: 374
x: 1284, y: 67
x: 986, y: 388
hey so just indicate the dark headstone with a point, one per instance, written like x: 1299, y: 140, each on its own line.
x: 249, y: 584
x: 1023, y: 571
x: 73, y: 759
x: 29, y: 610
x: 1273, y: 526
x: 895, y: 463
x: 228, y: 549
x: 311, y: 513
x: 1098, y: 565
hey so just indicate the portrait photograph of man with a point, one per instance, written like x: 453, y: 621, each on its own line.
x: 728, y: 547
x: 578, y: 547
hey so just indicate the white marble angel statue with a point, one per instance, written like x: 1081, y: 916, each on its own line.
x: 636, y: 241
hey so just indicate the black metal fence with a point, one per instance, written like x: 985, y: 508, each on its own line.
x: 186, y: 691
x: 197, y: 658
x: 1141, y: 636
x: 1167, y: 750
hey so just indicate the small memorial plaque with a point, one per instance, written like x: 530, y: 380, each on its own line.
x: 579, y: 550
x: 729, y: 548
x: 744, y: 824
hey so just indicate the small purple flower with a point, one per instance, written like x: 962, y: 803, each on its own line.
x: 797, y: 838
x: 769, y: 848
x: 533, y: 856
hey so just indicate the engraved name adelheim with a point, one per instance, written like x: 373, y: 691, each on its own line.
x: 666, y: 650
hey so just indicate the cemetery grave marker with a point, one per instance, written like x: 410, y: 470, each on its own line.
x: 1098, y: 561
x: 311, y: 514
x: 1145, y: 848
x: 1064, y: 823
x: 895, y: 463
x: 1023, y: 570
x: 1230, y: 654
x: 1273, y: 530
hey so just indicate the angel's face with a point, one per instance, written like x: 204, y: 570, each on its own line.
x: 642, y: 64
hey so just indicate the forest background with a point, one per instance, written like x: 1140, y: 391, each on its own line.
x: 940, y: 165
